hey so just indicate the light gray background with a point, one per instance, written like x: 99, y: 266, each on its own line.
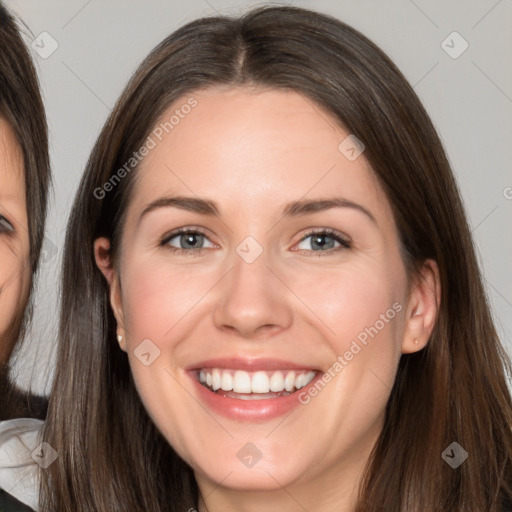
x: 100, y: 43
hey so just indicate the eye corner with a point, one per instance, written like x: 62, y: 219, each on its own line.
x: 5, y: 225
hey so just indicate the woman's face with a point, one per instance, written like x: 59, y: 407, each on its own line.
x: 14, y: 241
x: 288, y: 276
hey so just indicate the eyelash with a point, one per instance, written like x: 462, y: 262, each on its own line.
x: 5, y: 226
x: 344, y: 243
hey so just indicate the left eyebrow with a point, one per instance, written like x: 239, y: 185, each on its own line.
x: 305, y: 207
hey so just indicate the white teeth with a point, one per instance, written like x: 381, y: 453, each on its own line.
x: 227, y: 381
x: 241, y: 382
x: 308, y: 378
x: 216, y: 378
x: 289, y: 381
x: 276, y: 382
x: 260, y: 382
x: 304, y: 379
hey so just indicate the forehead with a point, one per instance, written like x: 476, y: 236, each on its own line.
x: 245, y: 146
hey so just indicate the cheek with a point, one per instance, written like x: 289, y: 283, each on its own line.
x: 353, y: 302
x: 13, y: 281
x: 160, y: 306
x: 360, y: 310
x: 157, y: 298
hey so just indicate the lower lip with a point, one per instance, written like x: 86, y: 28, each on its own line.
x: 250, y: 410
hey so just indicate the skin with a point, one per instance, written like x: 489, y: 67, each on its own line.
x: 14, y: 241
x: 253, y: 152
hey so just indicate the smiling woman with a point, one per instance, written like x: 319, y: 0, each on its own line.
x: 298, y: 234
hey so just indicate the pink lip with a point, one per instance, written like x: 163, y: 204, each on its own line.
x: 248, y: 410
x: 249, y: 365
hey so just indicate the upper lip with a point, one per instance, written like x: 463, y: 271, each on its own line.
x: 250, y: 365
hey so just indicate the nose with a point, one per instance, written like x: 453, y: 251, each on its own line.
x: 253, y: 301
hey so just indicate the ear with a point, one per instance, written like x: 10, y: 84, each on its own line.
x: 422, y: 309
x: 104, y: 262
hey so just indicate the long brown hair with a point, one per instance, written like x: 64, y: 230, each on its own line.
x: 111, y: 456
x: 22, y: 107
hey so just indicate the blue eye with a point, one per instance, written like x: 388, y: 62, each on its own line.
x: 323, y: 241
x: 186, y: 240
x: 5, y: 225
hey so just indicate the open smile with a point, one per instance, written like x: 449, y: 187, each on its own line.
x: 260, y: 385
x: 249, y: 390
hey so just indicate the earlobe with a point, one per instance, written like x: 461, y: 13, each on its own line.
x: 121, y: 341
x: 423, y: 308
x: 104, y: 262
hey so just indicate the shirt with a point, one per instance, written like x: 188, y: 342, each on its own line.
x: 21, y: 455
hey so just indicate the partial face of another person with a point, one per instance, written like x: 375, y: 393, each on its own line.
x: 14, y: 240
x: 261, y: 292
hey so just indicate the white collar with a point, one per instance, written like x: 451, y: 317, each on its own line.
x: 21, y: 454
